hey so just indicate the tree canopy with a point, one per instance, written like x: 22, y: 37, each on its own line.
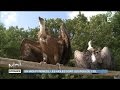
x: 103, y: 29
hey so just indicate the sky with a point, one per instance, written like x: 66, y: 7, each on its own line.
x: 27, y: 19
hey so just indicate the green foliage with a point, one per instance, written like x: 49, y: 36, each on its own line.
x: 99, y: 29
x: 53, y: 25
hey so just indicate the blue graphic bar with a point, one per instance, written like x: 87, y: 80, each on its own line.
x: 66, y: 71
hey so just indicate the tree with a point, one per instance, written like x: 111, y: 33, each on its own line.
x: 115, y: 25
x: 53, y: 25
x: 80, y: 38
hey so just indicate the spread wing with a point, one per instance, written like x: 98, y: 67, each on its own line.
x: 30, y: 50
x: 78, y: 56
x: 81, y: 59
x: 106, y: 58
x: 66, y: 46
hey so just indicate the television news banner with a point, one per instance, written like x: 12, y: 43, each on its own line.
x: 15, y: 68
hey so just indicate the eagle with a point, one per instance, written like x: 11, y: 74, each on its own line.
x: 51, y: 49
x: 56, y: 49
x: 94, y: 58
